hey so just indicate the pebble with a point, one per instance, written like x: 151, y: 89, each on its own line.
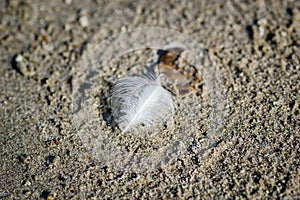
x: 261, y: 31
x: 68, y: 1
x: 84, y: 22
x: 19, y: 58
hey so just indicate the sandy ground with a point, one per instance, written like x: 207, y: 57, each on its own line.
x: 254, y: 46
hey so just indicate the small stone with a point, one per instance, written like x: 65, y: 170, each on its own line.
x: 123, y: 28
x: 262, y: 22
x: 28, y: 183
x: 83, y: 20
x: 283, y: 34
x: 67, y: 27
x: 261, y: 31
x: 68, y: 1
x: 19, y: 58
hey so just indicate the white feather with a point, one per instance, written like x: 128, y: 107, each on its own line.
x: 140, y: 101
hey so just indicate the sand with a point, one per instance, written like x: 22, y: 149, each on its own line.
x: 237, y: 136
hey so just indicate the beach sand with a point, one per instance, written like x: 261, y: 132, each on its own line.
x: 236, y: 136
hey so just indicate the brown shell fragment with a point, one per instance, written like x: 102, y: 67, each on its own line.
x: 181, y: 80
x: 169, y: 56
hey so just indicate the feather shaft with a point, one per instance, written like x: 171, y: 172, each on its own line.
x: 140, y: 100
